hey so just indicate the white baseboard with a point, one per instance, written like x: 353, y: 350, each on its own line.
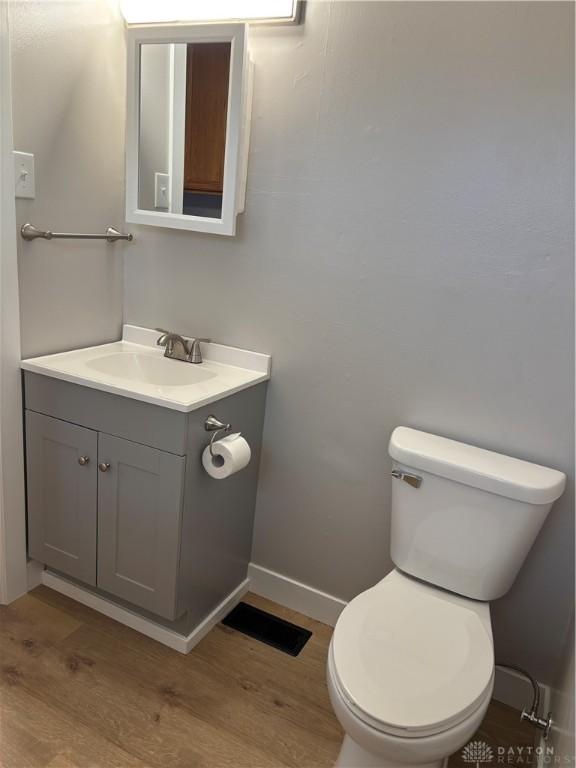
x: 35, y: 571
x: 295, y: 595
x: 180, y: 643
x: 514, y: 690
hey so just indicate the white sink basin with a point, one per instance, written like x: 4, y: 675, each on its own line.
x: 146, y: 369
x: 136, y: 367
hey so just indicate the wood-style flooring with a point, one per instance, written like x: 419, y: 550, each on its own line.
x: 78, y: 690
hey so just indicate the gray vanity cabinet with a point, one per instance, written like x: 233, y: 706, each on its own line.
x: 140, y: 492
x: 119, y: 501
x: 62, y: 495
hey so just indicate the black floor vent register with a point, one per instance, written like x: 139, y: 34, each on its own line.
x: 267, y: 628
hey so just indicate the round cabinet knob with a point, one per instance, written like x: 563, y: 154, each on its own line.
x: 83, y: 460
x: 104, y: 467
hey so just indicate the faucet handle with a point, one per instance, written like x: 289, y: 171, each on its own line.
x: 161, y: 340
x: 195, y: 355
x: 164, y: 332
x: 167, y: 337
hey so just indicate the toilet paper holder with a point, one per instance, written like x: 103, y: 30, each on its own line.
x: 214, y: 425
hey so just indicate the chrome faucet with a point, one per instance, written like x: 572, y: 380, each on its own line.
x: 177, y: 348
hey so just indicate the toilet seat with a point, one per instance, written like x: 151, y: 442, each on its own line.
x: 410, y: 659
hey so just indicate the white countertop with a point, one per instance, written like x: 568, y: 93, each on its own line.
x: 136, y: 367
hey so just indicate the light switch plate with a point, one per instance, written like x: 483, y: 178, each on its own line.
x: 24, y: 178
x: 161, y: 191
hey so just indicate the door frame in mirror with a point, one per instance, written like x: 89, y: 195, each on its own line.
x: 237, y: 124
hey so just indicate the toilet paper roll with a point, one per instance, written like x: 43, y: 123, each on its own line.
x: 231, y: 454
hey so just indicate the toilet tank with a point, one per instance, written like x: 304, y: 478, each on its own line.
x: 474, y: 516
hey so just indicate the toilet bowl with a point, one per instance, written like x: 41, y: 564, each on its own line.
x: 410, y: 673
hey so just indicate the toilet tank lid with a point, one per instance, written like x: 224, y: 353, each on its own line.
x: 477, y: 467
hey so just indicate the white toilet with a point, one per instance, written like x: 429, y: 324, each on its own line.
x: 411, y: 662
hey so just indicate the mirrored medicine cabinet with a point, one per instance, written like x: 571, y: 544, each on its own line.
x: 188, y: 120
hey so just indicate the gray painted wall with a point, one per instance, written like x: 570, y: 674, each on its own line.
x: 68, y: 94
x: 406, y: 257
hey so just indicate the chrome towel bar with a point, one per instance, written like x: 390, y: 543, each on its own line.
x: 30, y: 232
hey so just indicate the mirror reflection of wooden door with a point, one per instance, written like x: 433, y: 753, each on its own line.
x: 207, y: 77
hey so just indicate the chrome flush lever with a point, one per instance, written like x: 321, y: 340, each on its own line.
x: 414, y: 480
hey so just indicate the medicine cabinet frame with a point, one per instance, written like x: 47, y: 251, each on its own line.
x: 237, y: 126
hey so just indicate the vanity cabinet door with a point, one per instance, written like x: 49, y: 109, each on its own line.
x: 61, y: 487
x: 139, y: 515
